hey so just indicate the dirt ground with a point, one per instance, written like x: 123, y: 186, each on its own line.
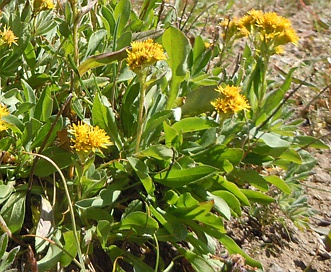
x: 280, y: 246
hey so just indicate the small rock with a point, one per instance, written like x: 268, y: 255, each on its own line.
x: 275, y: 268
x: 322, y: 176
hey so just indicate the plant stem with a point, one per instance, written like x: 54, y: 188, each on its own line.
x: 141, y: 115
x: 71, y: 208
x: 157, y: 253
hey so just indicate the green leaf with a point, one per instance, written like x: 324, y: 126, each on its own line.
x: 108, y: 20
x: 233, y: 248
x: 138, y: 265
x: 44, y: 23
x: 142, y: 172
x: 216, y: 156
x: 258, y: 197
x: 275, y: 97
x: 101, y: 60
x: 29, y: 95
x: 8, y: 258
x: 94, y: 41
x: 159, y: 152
x: 170, y: 134
x: 212, y: 220
x: 192, y: 124
x: 201, y: 56
x: 106, y: 197
x: 103, y: 230
x: 250, y: 176
x: 14, y: 123
x: 220, y: 205
x: 122, y: 14
x: 139, y: 222
x: 279, y: 183
x: 291, y: 155
x: 52, y: 256
x: 273, y: 140
x: 124, y: 40
x: 30, y: 55
x: 177, y: 47
x: 98, y: 214
x: 42, y: 132
x: 154, y: 126
x: 192, y: 212
x: 197, y: 262
x: 233, y: 188
x: 175, y: 229
x: 104, y: 117
x: 70, y: 247
x: 3, y: 244
x: 6, y: 191
x: 38, y: 80
x: 44, y: 107
x: 13, y: 211
x: 180, y: 177
x: 230, y: 199
x: 305, y: 141
x: 327, y: 241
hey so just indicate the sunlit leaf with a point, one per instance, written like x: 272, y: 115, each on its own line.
x: 258, y: 197
x: 177, y: 48
x: 181, y: 177
x: 192, y: 124
x: 279, y: 183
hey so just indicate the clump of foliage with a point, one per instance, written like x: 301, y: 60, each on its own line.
x: 126, y: 146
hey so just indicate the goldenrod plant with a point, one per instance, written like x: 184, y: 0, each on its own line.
x: 133, y: 143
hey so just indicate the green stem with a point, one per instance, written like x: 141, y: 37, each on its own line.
x: 71, y: 208
x: 157, y: 254
x: 79, y: 170
x: 141, y: 115
x: 75, y: 39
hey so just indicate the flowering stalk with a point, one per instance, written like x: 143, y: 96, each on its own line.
x: 141, y: 112
x: 86, y: 140
x: 140, y: 57
x: 268, y: 33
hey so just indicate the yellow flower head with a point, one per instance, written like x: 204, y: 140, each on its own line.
x: 39, y: 5
x: 248, y: 22
x: 8, y: 37
x: 230, y: 100
x: 207, y: 45
x: 143, y: 54
x: 3, y: 112
x: 88, y: 138
x: 268, y: 28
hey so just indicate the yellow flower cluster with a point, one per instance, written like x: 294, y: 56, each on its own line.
x: 143, y: 54
x: 3, y: 112
x: 270, y: 28
x: 7, y: 37
x: 39, y: 5
x: 88, y: 138
x: 230, y: 100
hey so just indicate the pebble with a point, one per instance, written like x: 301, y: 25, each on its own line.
x: 322, y: 176
x: 275, y: 268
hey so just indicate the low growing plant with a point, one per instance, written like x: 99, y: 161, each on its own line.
x: 129, y: 146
